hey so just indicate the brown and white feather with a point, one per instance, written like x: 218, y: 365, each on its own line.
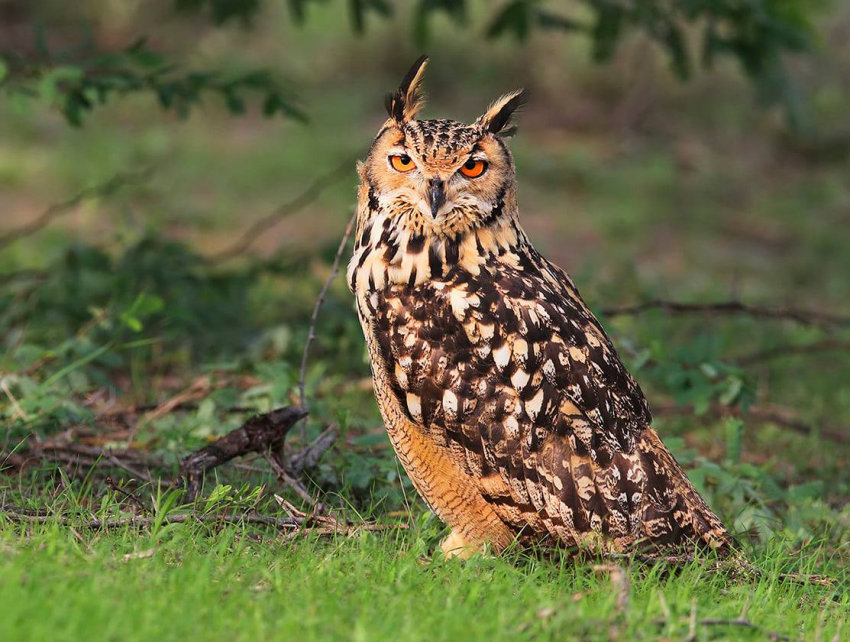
x: 502, y: 394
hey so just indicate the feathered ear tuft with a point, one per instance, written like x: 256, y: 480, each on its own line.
x: 497, y: 118
x: 403, y: 103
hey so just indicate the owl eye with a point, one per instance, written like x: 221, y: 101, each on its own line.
x: 402, y: 163
x: 473, y: 168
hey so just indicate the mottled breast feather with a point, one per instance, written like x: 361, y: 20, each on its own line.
x: 510, y: 370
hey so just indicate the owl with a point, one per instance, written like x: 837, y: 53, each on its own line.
x: 502, y: 395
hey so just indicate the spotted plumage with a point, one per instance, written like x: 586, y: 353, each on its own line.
x: 502, y: 395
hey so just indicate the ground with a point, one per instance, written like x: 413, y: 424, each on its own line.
x: 642, y: 188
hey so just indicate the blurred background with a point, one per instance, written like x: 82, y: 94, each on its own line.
x: 175, y: 178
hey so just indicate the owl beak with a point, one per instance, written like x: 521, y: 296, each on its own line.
x: 436, y: 195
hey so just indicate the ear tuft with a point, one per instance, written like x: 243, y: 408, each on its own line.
x: 403, y: 103
x: 497, y: 118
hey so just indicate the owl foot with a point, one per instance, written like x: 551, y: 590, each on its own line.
x: 456, y: 545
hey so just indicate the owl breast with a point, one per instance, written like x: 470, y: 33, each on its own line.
x: 505, y: 354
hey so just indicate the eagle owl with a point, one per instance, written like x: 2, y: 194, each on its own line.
x: 501, y: 393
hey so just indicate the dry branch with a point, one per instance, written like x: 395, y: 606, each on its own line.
x: 762, y: 414
x: 297, y: 204
x: 778, y: 352
x: 296, y: 522
x: 134, y: 462
x: 312, y: 453
x: 54, y: 211
x: 259, y: 434
x: 17, y: 515
x: 319, y: 301
x: 804, y: 317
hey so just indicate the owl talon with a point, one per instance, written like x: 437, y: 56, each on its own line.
x: 455, y: 545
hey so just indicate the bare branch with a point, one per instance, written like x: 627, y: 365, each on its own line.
x: 17, y: 515
x: 762, y: 414
x: 319, y: 301
x: 297, y: 204
x: 130, y: 461
x: 313, y: 452
x: 826, y: 345
x: 804, y: 317
x: 294, y: 483
x: 258, y: 434
x: 296, y: 521
x: 54, y: 211
x: 742, y: 622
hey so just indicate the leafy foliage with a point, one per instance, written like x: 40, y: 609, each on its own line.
x: 756, y: 34
x: 77, y: 85
x: 222, y: 11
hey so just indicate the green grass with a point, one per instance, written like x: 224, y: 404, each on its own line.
x: 184, y: 581
x: 640, y: 188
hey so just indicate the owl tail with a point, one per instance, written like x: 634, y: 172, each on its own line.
x: 673, y: 511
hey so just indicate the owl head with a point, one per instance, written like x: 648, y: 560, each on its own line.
x: 442, y: 176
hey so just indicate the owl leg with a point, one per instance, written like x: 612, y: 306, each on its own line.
x: 456, y: 545
x: 450, y: 492
x: 453, y: 496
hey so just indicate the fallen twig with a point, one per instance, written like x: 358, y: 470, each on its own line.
x: 270, y: 220
x: 805, y: 317
x: 742, y: 621
x: 310, y: 456
x: 293, y: 482
x: 200, y: 388
x: 54, y: 211
x: 130, y: 461
x: 257, y: 435
x: 17, y: 515
x: 296, y: 522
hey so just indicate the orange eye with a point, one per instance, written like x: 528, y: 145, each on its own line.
x: 402, y: 163
x: 473, y: 168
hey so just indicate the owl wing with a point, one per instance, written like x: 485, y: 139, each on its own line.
x: 515, y: 377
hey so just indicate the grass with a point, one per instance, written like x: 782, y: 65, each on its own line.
x: 184, y: 580
x: 695, y: 195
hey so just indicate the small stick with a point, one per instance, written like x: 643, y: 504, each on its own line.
x: 57, y: 209
x: 319, y: 301
x: 692, y: 621
x: 826, y: 345
x: 292, y: 482
x: 804, y: 317
x: 258, y: 434
x: 312, y: 453
x: 176, y: 518
x: 298, y: 203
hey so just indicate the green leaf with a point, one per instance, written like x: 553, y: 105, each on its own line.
x: 548, y: 20
x: 680, y: 59
x: 734, y: 430
x: 359, y: 8
x: 514, y: 19
x: 606, y: 31
x: 734, y: 385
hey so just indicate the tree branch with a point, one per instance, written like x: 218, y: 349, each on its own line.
x: 762, y: 414
x: 54, y: 211
x: 259, y: 434
x: 826, y: 345
x: 297, y: 204
x: 319, y: 301
x: 804, y: 317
